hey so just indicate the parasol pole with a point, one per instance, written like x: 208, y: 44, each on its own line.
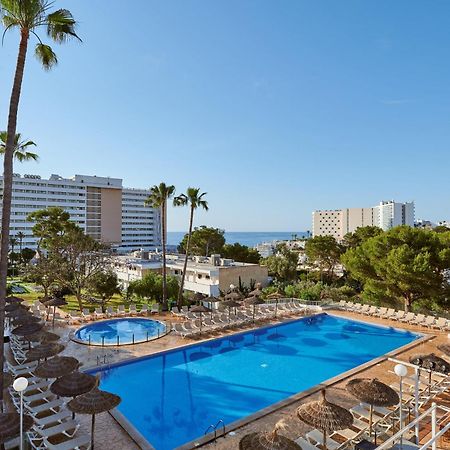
x: 370, y: 420
x: 92, y: 431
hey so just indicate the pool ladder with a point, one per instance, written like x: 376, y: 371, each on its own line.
x: 214, y: 428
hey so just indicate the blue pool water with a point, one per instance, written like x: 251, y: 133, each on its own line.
x: 172, y: 397
x: 106, y: 331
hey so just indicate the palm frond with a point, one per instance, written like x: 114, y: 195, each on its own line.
x: 180, y: 200
x: 61, y: 26
x: 46, y: 56
x: 25, y: 156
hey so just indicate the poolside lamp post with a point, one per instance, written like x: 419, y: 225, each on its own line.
x: 401, y: 371
x: 19, y: 385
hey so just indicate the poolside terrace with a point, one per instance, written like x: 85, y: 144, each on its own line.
x: 108, y: 430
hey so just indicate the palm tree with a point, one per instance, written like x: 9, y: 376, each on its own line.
x: 20, y: 235
x: 158, y: 198
x: 20, y: 150
x: 13, y: 242
x: 27, y: 16
x: 195, y: 200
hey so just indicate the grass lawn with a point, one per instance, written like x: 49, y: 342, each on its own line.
x: 33, y: 293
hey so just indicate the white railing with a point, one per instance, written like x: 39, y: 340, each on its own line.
x: 434, y: 434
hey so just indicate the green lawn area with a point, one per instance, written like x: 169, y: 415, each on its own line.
x: 32, y: 295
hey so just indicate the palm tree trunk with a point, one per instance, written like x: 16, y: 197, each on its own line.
x: 164, y: 272
x: 7, y: 192
x: 186, y: 256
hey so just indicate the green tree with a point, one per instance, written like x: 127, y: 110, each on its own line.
x: 282, y: 265
x: 27, y: 16
x: 405, y: 264
x: 194, y: 199
x: 20, y: 235
x: 325, y: 252
x: 79, y: 258
x: 12, y: 256
x: 360, y: 235
x: 240, y: 253
x: 27, y: 255
x: 204, y: 241
x: 151, y: 287
x: 43, y: 273
x: 20, y: 149
x: 105, y: 284
x: 50, y: 225
x: 158, y: 198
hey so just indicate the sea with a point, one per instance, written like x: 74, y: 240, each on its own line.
x: 248, y: 238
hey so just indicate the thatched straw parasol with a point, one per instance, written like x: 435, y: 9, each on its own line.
x: 56, y: 367
x: 42, y: 336
x: 44, y: 351
x: 73, y: 384
x: 197, y: 297
x: 56, y: 301
x: 25, y: 319
x: 16, y: 307
x: 372, y: 392
x: 233, y: 295
x: 10, y: 425
x: 94, y: 402
x: 325, y: 416
x: 29, y: 328
x: 256, y: 292
x: 445, y: 349
x: 12, y: 299
x: 230, y: 304
x: 254, y: 301
x: 200, y: 309
x: 268, y: 441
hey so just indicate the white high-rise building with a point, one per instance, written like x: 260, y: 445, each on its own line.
x: 339, y: 222
x: 99, y: 205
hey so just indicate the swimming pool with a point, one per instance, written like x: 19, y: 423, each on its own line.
x: 171, y: 398
x: 120, y: 331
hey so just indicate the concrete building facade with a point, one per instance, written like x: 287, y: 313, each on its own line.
x: 338, y: 223
x: 99, y: 205
x: 205, y: 275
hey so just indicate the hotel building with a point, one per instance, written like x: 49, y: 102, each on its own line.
x: 338, y: 223
x: 99, y: 205
x: 206, y: 275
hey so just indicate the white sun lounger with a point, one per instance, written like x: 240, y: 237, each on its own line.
x: 304, y: 444
x: 68, y: 428
x: 86, y: 316
x: 144, y: 310
x: 317, y: 436
x: 53, y: 406
x: 78, y: 442
x: 441, y: 324
x: 155, y: 308
x: 133, y: 310
x: 430, y: 321
x: 98, y: 313
x: 121, y: 310
x: 110, y: 312
x: 60, y: 416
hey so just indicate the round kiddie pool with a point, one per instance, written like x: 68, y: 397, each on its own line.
x: 120, y: 331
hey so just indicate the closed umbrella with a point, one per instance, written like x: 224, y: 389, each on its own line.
x: 29, y: 328
x: 56, y: 367
x: 372, y: 392
x: 432, y: 363
x: 268, y: 441
x: 200, y: 309
x: 254, y: 301
x: 325, y: 416
x: 55, y: 302
x: 44, y: 351
x: 94, y: 402
x: 10, y: 425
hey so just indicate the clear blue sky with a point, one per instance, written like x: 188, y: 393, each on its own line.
x: 275, y: 108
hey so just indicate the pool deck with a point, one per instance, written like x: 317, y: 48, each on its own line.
x: 109, y: 431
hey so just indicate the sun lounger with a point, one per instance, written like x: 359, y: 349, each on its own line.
x: 121, y: 311
x: 371, y: 311
x: 441, y: 324
x: 133, y: 310
x: 176, y: 312
x: 60, y: 416
x: 316, y: 436
x: 73, y: 318
x: 68, y: 428
x: 399, y: 315
x: 380, y: 312
x: 364, y: 309
x: 78, y: 442
x: 389, y: 314
x: 155, y: 308
x: 54, y: 405
x: 21, y: 369
x: 86, y: 315
x: 144, y: 310
x: 430, y: 321
x: 418, y: 320
x: 304, y: 444
x: 110, y: 312
x: 98, y: 313
x: 408, y: 317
